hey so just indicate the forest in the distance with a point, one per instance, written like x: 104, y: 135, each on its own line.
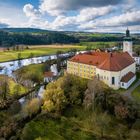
x: 31, y: 36
x: 11, y: 37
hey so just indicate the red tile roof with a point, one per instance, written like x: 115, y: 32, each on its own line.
x: 127, y: 77
x: 49, y: 74
x: 103, y: 60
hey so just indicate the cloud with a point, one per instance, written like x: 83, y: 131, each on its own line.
x: 88, y: 14
x: 30, y: 11
x: 82, y: 15
x: 57, y: 7
x: 3, y: 25
x: 123, y: 20
x: 85, y: 15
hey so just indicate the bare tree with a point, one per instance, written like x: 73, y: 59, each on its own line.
x: 94, y: 87
x: 4, y: 88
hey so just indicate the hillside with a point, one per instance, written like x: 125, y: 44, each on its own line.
x: 15, y: 36
x: 24, y: 30
x: 32, y: 36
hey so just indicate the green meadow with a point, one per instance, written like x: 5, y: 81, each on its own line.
x: 13, y: 85
x: 40, y: 50
x: 36, y: 51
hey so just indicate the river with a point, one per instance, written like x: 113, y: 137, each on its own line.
x: 7, y: 68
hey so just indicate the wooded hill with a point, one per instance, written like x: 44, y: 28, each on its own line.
x: 15, y: 36
x: 31, y: 36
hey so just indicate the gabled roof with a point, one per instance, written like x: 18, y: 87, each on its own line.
x: 103, y: 60
x: 127, y: 77
x: 49, y: 74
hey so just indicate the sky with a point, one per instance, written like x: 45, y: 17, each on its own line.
x: 72, y: 15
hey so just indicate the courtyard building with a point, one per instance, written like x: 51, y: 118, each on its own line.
x: 116, y: 69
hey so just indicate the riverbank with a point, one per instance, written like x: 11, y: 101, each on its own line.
x: 36, y: 51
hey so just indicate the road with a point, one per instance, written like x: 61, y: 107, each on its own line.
x: 130, y: 90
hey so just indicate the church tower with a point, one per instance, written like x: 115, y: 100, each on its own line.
x: 128, y: 43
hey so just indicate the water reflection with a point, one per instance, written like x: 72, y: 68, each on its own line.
x: 14, y: 65
x: 8, y: 68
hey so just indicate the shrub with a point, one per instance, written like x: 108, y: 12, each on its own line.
x: 31, y: 107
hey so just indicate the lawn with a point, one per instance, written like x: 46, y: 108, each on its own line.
x: 12, y: 84
x: 136, y: 94
x: 98, y: 45
x: 33, y: 72
x: 37, y: 50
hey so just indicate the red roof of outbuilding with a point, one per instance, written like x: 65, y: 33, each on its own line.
x: 103, y: 60
x: 127, y: 77
x: 49, y: 74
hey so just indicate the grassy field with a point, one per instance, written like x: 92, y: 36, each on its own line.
x: 34, y: 72
x: 136, y: 94
x: 97, y: 45
x: 37, y: 50
x: 12, y: 85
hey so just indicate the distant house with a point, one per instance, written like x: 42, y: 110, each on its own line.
x: 48, y: 76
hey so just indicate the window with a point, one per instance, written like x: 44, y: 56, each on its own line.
x: 113, y: 80
x: 98, y: 76
x: 122, y: 84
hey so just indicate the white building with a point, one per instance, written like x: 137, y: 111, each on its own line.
x: 128, y: 47
x: 116, y: 69
x: 48, y: 76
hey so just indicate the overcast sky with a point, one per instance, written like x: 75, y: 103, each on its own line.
x: 72, y: 15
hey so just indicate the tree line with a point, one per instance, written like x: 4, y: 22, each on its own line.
x: 8, y: 39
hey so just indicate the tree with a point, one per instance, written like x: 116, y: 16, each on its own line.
x: 15, y: 108
x: 74, y: 88
x: 47, y: 66
x: 94, y: 87
x: 58, y: 62
x: 31, y: 107
x: 31, y: 57
x: 88, y: 48
x: 67, y: 90
x: 134, y: 135
x: 58, y: 54
x: 4, y: 87
x: 72, y: 52
x: 19, y: 59
x: 54, y: 98
x: 121, y: 111
x: 17, y: 89
x: 103, y: 122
